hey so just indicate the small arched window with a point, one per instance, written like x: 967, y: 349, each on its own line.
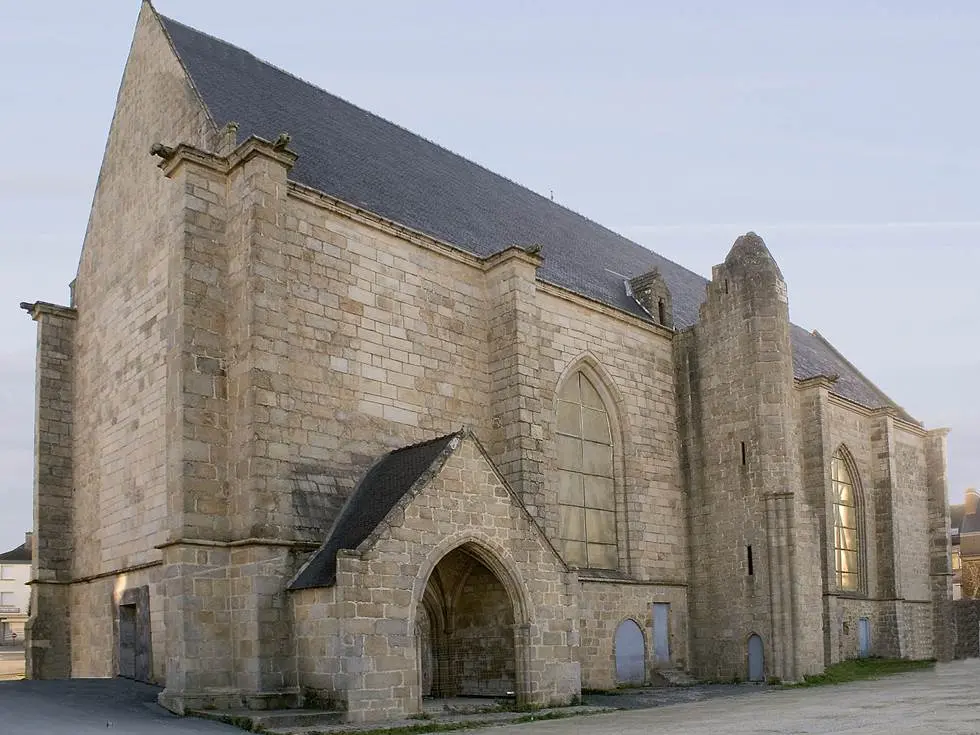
x: 847, y: 539
x: 586, y: 495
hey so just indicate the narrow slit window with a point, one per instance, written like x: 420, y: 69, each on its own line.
x: 743, y: 452
x: 662, y: 311
x: 748, y: 556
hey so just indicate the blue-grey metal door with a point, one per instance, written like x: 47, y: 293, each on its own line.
x: 864, y: 637
x: 630, y: 653
x: 661, y: 632
x: 757, y: 659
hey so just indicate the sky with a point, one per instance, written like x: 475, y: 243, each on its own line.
x: 844, y: 133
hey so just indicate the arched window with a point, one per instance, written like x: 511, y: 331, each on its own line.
x: 847, y: 539
x: 586, y: 495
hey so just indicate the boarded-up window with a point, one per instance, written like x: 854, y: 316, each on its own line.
x: 586, y: 496
x: 846, y: 536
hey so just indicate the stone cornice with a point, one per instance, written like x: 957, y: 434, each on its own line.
x: 512, y: 253
x: 587, y: 303
x: 583, y: 577
x: 43, y: 307
x: 368, y: 218
x: 816, y: 381
x: 882, y: 411
x: 300, y: 545
x: 252, y: 147
x: 100, y: 575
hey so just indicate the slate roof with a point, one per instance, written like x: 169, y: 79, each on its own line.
x: 366, y: 161
x: 20, y: 555
x: 955, y: 521
x: 378, y: 492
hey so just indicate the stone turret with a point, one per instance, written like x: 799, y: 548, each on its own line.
x: 755, y: 553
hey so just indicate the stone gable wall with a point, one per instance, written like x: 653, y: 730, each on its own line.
x: 120, y: 505
x: 121, y: 293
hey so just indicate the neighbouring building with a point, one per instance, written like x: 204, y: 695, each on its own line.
x: 965, y: 541
x: 955, y: 522
x: 15, y: 572
x: 335, y: 415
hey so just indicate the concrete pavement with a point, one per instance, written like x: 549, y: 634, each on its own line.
x: 11, y: 662
x: 944, y: 700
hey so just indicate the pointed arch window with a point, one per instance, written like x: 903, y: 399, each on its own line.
x: 847, y: 539
x: 586, y: 489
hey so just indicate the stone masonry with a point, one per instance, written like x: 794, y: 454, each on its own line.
x: 242, y: 350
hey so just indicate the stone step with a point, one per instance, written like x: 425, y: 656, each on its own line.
x: 677, y: 677
x: 273, y: 719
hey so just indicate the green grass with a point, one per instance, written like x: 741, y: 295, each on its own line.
x: 863, y: 668
x: 466, y: 725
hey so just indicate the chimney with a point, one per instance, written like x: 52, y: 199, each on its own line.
x: 29, y: 542
x: 971, y: 501
x: 650, y: 291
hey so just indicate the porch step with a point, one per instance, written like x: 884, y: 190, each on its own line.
x: 677, y: 678
x: 271, y: 720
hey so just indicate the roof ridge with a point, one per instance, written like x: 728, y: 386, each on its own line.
x: 426, y: 442
x: 364, y: 110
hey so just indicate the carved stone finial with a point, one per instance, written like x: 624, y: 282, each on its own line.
x: 281, y: 142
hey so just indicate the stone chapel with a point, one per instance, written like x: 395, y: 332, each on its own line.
x: 337, y: 416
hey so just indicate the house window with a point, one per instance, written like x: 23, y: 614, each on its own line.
x: 6, y: 572
x: 846, y: 528
x: 956, y: 560
x: 6, y: 599
x: 586, y: 495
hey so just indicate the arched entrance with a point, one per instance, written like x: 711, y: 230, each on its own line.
x: 466, y: 629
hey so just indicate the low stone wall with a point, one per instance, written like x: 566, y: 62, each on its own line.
x: 966, y: 621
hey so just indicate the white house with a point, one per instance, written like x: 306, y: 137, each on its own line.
x: 15, y: 595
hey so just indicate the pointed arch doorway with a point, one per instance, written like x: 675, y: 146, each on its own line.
x: 469, y: 629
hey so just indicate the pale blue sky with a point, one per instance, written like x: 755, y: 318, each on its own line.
x: 844, y: 133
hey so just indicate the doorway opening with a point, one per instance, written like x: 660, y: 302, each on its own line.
x: 468, y: 634
x: 133, y: 646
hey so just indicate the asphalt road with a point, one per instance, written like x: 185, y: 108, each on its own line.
x: 88, y: 706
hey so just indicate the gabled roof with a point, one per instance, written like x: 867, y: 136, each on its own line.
x: 19, y: 555
x: 387, y: 482
x: 366, y: 161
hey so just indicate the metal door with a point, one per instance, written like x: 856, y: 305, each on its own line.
x: 757, y: 662
x: 127, y: 641
x: 864, y: 637
x: 630, y: 653
x: 661, y: 632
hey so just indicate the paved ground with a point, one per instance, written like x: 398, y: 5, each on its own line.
x: 943, y: 700
x: 11, y: 662
x: 646, y: 697
x: 88, y: 706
